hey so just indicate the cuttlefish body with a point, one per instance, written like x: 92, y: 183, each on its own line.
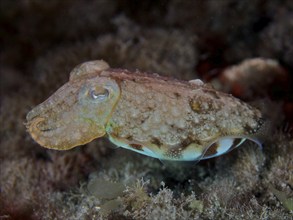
x: 149, y: 114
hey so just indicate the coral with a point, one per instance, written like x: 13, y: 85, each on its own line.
x: 255, y: 78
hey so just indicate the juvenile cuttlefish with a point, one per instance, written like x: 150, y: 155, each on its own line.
x: 153, y: 115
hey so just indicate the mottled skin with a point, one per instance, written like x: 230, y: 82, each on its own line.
x: 153, y: 115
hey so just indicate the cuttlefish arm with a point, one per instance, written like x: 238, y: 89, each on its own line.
x: 146, y: 113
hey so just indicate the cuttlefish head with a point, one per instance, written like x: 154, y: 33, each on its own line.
x: 78, y: 112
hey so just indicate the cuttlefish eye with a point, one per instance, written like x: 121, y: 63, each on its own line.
x: 95, y: 94
x: 99, y: 96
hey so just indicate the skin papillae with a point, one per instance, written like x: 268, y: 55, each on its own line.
x: 147, y: 113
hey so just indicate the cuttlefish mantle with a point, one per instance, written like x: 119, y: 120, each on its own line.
x: 152, y: 115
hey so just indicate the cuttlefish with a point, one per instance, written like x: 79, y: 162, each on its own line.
x: 156, y: 116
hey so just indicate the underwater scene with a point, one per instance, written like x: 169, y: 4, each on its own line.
x: 125, y: 109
